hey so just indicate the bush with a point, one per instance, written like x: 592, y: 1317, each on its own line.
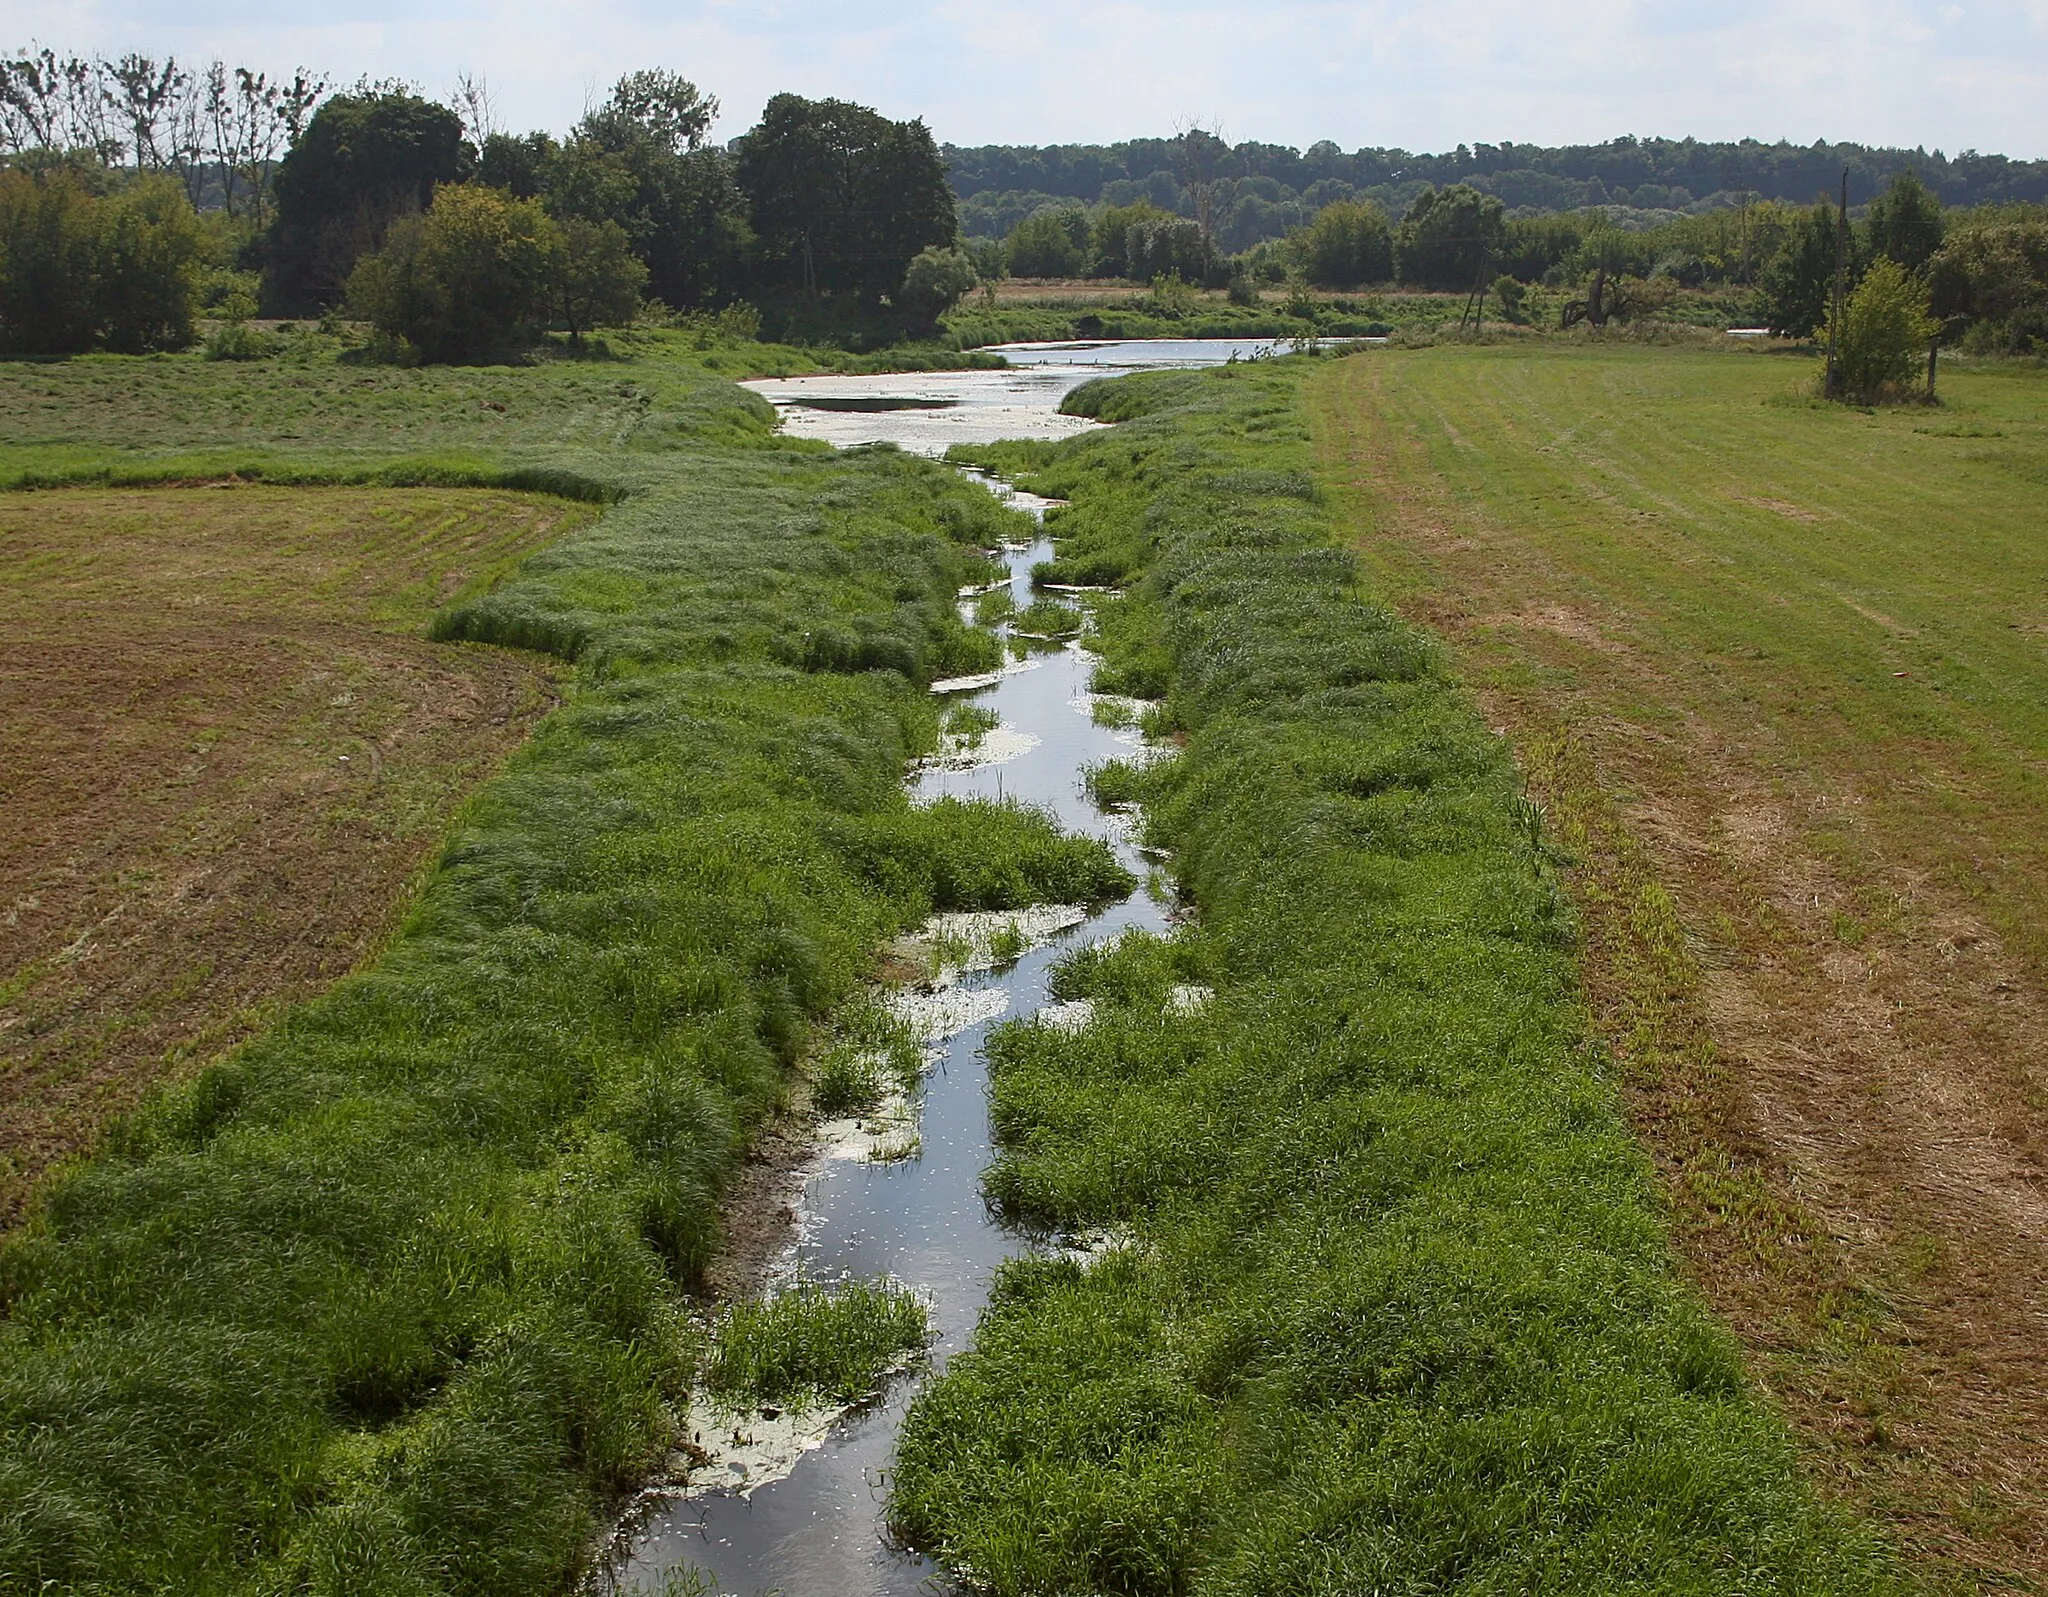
x: 1045, y: 245
x: 933, y: 284
x: 1349, y: 243
x: 1447, y: 237
x: 463, y: 282
x: 1995, y: 279
x: 237, y: 340
x: 80, y: 272
x: 1884, y: 329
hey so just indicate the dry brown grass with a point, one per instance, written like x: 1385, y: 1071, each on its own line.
x: 1768, y: 668
x: 225, y: 749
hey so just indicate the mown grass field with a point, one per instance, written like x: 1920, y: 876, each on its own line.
x: 1780, y: 671
x: 393, y: 1299
x: 1395, y: 1307
x: 226, y: 746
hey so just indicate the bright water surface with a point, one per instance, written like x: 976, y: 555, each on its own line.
x: 927, y: 412
x: 818, y: 1531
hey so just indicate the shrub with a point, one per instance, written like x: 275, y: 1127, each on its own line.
x: 1884, y: 329
x: 933, y: 284
x: 79, y: 272
x: 1045, y: 245
x: 462, y: 282
x: 1348, y: 243
x: 1448, y: 236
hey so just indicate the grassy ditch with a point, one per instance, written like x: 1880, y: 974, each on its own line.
x: 1398, y: 1311
x: 391, y: 1300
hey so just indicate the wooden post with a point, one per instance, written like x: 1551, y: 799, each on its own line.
x: 1933, y: 352
x: 1841, y: 288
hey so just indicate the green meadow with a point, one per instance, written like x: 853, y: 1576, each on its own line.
x: 1390, y: 1303
x: 395, y: 1297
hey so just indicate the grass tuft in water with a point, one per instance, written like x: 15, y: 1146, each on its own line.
x: 815, y: 1344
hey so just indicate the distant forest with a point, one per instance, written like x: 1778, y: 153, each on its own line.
x: 1258, y: 191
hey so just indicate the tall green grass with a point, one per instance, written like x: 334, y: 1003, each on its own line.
x: 391, y: 1300
x: 1398, y: 1313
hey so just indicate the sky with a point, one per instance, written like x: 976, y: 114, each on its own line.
x: 1418, y: 74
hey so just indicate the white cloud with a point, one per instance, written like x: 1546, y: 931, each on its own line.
x: 1377, y: 72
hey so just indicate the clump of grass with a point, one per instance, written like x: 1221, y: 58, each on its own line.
x: 971, y: 723
x: 871, y: 1053
x: 1114, y: 783
x: 815, y: 1344
x: 1111, y: 711
x: 1049, y: 618
x: 993, y: 607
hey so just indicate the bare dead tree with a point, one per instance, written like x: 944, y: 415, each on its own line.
x: 33, y: 112
x: 473, y: 105
x: 258, y: 130
x: 295, y: 102
x: 187, y: 135
x: 143, y: 96
x: 90, y: 111
x: 1200, y: 155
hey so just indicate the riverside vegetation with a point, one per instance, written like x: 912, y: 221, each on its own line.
x: 1390, y: 1304
x: 393, y: 1299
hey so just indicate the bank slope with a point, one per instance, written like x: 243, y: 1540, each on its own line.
x: 391, y: 1301
x: 1395, y: 1309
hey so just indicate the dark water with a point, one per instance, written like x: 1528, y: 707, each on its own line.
x: 921, y: 1220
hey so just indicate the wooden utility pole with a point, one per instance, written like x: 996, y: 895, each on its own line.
x: 1840, y: 296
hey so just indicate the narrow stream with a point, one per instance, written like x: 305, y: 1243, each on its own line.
x: 817, y: 1530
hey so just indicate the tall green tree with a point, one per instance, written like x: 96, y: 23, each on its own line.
x: 1348, y: 243
x: 640, y: 160
x: 363, y: 161
x: 1449, y: 237
x: 1797, y: 285
x: 1906, y: 222
x: 592, y: 277
x: 1044, y: 245
x: 842, y: 198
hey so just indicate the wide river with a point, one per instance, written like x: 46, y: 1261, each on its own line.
x: 815, y: 1529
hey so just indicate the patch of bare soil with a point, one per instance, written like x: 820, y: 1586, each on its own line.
x: 1840, y: 1072
x: 225, y: 753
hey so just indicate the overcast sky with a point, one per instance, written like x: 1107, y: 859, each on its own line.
x: 1425, y: 76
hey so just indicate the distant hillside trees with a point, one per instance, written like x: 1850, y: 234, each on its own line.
x: 364, y: 161
x: 841, y: 198
x: 81, y: 270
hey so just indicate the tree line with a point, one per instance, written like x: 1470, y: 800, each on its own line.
x: 1640, y: 173
x: 455, y: 238
x: 1985, y: 268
